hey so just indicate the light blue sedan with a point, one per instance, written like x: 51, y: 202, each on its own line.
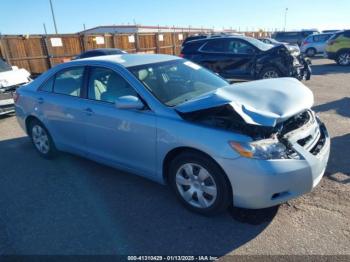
x: 253, y: 145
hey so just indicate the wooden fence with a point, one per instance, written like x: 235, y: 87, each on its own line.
x: 38, y: 53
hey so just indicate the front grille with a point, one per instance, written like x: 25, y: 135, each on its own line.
x: 306, y: 122
x: 297, y: 121
x: 305, y: 140
x: 317, y: 148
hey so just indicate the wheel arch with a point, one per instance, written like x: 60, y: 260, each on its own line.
x: 180, y: 150
x: 311, y: 48
x: 29, y: 119
x: 342, y: 51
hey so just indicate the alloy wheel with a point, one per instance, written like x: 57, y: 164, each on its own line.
x: 270, y: 74
x: 196, y: 185
x: 344, y: 59
x: 40, y: 139
x: 311, y: 52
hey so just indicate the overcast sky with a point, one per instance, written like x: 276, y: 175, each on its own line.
x: 28, y: 16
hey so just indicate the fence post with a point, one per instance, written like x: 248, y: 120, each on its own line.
x: 4, y: 49
x: 46, y: 51
x: 137, y: 44
x: 82, y: 43
x: 85, y: 42
x: 173, y: 39
x: 156, y: 35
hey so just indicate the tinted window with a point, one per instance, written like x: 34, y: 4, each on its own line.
x: 289, y: 34
x: 239, y: 47
x: 91, y: 54
x: 69, y: 82
x: 106, y: 85
x: 217, y: 45
x: 48, y: 85
x: 321, y: 38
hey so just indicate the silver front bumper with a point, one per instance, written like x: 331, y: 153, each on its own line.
x: 264, y: 183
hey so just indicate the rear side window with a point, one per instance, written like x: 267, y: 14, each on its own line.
x: 288, y: 34
x: 191, y: 47
x: 347, y: 34
x: 91, y: 54
x: 216, y: 46
x: 69, y: 82
x: 321, y: 38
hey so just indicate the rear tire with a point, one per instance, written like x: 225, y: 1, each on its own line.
x: 269, y: 72
x: 200, y: 184
x: 41, y: 139
x: 343, y: 58
x: 311, y: 52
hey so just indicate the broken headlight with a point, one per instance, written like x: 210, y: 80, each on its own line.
x: 262, y: 149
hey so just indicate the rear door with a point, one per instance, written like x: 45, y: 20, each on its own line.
x: 60, y: 104
x: 320, y: 42
x: 229, y: 57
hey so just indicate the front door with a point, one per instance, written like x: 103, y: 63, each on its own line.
x: 121, y: 137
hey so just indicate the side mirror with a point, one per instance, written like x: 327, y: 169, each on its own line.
x: 129, y: 102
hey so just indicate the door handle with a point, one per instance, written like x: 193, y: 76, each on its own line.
x: 40, y: 100
x: 88, y: 111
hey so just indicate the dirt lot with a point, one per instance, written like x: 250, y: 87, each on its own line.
x: 75, y: 206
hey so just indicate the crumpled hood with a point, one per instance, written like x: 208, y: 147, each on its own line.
x: 262, y: 102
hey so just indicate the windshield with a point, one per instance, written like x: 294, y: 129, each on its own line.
x: 177, y: 81
x: 4, y: 66
x: 259, y: 44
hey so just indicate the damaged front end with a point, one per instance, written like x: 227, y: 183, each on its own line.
x: 276, y: 130
x: 301, y: 67
x: 297, y: 64
x: 268, y: 142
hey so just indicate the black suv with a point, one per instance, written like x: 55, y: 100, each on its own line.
x: 246, y: 58
x: 100, y: 52
x: 293, y: 37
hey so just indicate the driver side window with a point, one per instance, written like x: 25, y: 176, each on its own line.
x: 240, y: 47
x: 106, y: 85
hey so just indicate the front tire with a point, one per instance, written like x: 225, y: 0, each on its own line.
x: 311, y: 52
x: 200, y: 184
x: 269, y: 72
x: 343, y: 58
x: 41, y: 139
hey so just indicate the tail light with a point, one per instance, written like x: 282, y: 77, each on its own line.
x: 181, y: 55
x: 305, y: 43
x: 15, y: 97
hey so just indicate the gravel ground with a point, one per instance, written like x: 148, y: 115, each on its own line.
x: 75, y: 206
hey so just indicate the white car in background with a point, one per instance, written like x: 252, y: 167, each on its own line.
x: 315, y: 44
x: 10, y: 79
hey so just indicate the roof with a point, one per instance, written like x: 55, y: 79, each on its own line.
x: 216, y: 37
x: 130, y: 60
